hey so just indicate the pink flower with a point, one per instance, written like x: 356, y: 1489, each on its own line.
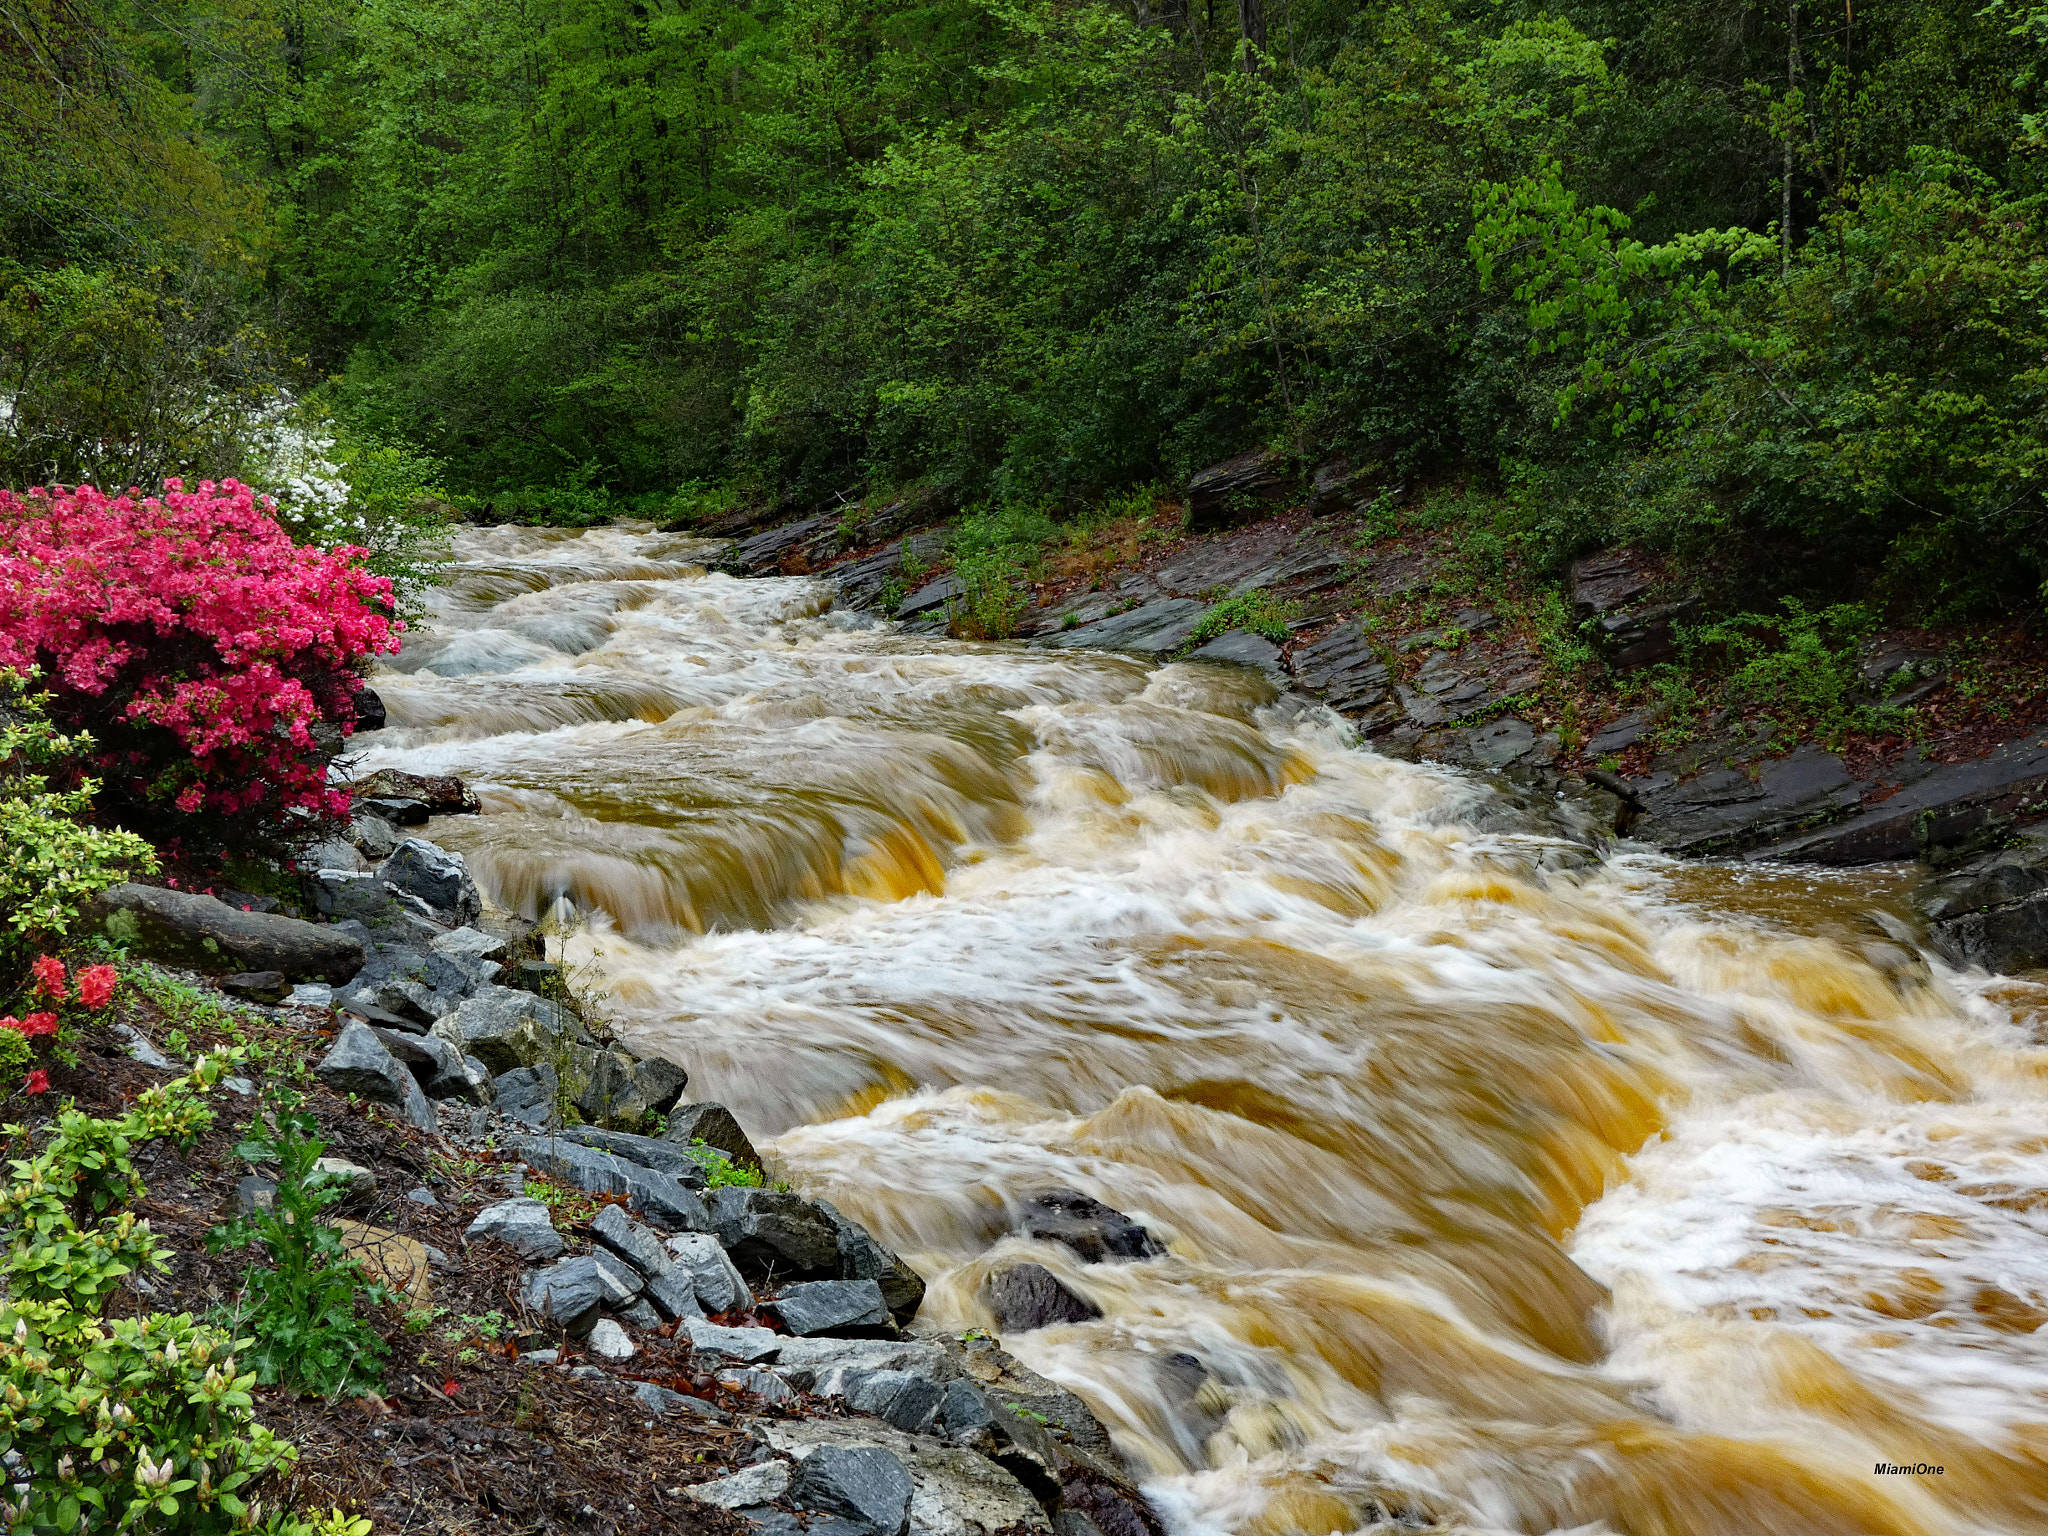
x: 48, y: 971
x: 11, y: 1022
x: 96, y: 986
x: 191, y: 798
x: 37, y: 1081
x: 39, y: 1024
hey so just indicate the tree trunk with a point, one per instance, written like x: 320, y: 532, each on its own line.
x: 1251, y: 24
x: 1785, y: 187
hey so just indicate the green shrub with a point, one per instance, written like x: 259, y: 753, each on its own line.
x: 1799, y: 668
x: 720, y: 1171
x: 1259, y: 611
x: 55, y: 861
x: 145, y: 1424
x: 995, y: 553
x: 302, y: 1309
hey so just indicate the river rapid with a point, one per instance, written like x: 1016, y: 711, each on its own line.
x: 1507, y: 1187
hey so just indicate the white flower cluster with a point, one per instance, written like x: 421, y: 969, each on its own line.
x: 289, y: 460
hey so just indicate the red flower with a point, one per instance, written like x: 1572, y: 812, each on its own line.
x: 39, y: 1024
x: 96, y: 986
x: 49, y: 977
x: 38, y: 1081
x: 11, y: 1022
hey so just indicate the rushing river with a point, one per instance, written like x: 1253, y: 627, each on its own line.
x: 1506, y: 1188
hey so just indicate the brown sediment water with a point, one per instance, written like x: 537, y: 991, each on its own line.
x: 1508, y: 1186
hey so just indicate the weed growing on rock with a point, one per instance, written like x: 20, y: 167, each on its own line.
x: 1258, y: 611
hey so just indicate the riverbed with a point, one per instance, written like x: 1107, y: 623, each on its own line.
x: 1510, y: 1181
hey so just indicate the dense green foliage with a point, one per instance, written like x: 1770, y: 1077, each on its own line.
x: 1763, y: 281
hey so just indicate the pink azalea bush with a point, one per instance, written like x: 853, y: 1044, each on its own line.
x: 205, y: 652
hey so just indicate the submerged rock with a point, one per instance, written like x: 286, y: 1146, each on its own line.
x: 1094, y: 1231
x: 1028, y: 1296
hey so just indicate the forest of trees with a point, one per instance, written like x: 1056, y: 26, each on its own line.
x: 1721, y: 277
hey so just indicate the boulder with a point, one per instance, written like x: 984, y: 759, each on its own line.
x: 1992, y: 911
x: 1618, y: 588
x: 436, y: 877
x: 1726, y: 809
x: 862, y: 1258
x: 632, y: 1241
x: 622, y: 1282
x: 1334, y: 487
x: 623, y: 1093
x: 662, y: 1156
x: 373, y: 836
x: 863, y: 1484
x: 1028, y: 1296
x: 1091, y: 1229
x: 1242, y: 648
x: 716, y: 1283
x: 211, y: 937
x: 745, y: 1345
x: 650, y: 1192
x: 469, y: 944
x: 762, y: 1483
x: 713, y: 1125
x: 526, y: 1226
x: 451, y: 1074
x: 766, y: 1231
x: 1238, y: 490
x: 354, y: 1179
x: 359, y: 1064
x: 608, y: 1341
x: 369, y: 710
x: 257, y: 986
x: 847, y: 1309
x: 333, y: 853
x: 416, y: 796
x: 570, y: 1292
x: 956, y: 1492
x: 529, y: 1095
x: 828, y: 1366
x: 505, y: 1028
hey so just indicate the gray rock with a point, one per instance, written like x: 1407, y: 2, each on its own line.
x: 1156, y: 629
x: 311, y: 994
x: 762, y: 1483
x: 1345, y: 669
x: 862, y: 1258
x: 631, y: 1240
x: 1243, y: 648
x: 641, y: 1314
x: 1618, y: 588
x: 831, y: 1366
x: 470, y: 944
x: 449, y: 1074
x: 745, y: 1345
x: 1084, y: 1224
x: 333, y: 853
x: 525, y: 1225
x: 650, y: 1192
x: 608, y: 1341
x: 138, y: 1046
x: 930, y: 597
x: 437, y: 877
x: 421, y: 795
x: 766, y: 1231
x: 957, y: 1492
x: 840, y: 1308
x: 714, y: 1125
x: 354, y: 1178
x: 409, y: 1050
x: 1992, y: 911
x: 910, y: 1402
x: 505, y: 1028
x: 529, y: 1095
x: 570, y: 1292
x: 863, y: 1484
x: 257, y: 986
x: 964, y: 1413
x: 1726, y: 808
x: 374, y: 837
x: 624, y: 1093
x: 215, y: 939
x: 622, y: 1282
x: 424, y: 1198
x: 715, y: 1282
x: 1238, y: 490
x: 1028, y: 1296
x: 254, y: 1194
x: 360, y: 1064
x: 359, y: 895
x: 663, y: 1403
x: 662, y: 1156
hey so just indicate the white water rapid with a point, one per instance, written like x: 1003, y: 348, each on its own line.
x: 1507, y: 1189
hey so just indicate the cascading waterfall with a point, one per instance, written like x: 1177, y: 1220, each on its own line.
x: 1506, y: 1188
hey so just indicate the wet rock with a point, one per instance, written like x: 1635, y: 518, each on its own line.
x: 570, y: 1292
x: 1245, y: 649
x: 1028, y: 1296
x: 765, y: 1231
x: 345, y: 894
x: 653, y: 1193
x: 668, y: 1286
x: 436, y: 877
x: 1949, y: 806
x: 505, y: 1028
x: 453, y: 1075
x: 863, y: 1484
x: 525, y: 1226
x: 956, y: 1492
x: 369, y: 710
x: 861, y: 583
x: 828, y: 1366
x: 359, y: 1064
x: 1157, y: 629
x: 1727, y: 808
x: 1084, y: 1224
x: 1617, y: 588
x: 1617, y: 735
x: 1991, y: 911
x: 713, y: 1125
x: 410, y: 1051
x: 837, y: 1308
x: 714, y: 1280
x: 1345, y: 669
x: 794, y: 547
x: 257, y: 986
x: 215, y: 939
x: 662, y: 1156
x: 1898, y: 672
x: 529, y: 1095
x: 862, y: 1258
x: 624, y: 1093
x: 1238, y: 490
x: 608, y: 1341
x: 416, y: 796
x: 931, y: 597
x: 469, y: 945
x: 762, y: 1483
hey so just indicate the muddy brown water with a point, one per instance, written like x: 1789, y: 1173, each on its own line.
x: 1506, y: 1189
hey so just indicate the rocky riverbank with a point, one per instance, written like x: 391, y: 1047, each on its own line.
x: 1433, y: 655
x: 609, y: 1317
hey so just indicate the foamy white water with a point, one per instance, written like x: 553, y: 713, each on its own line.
x: 1506, y: 1187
